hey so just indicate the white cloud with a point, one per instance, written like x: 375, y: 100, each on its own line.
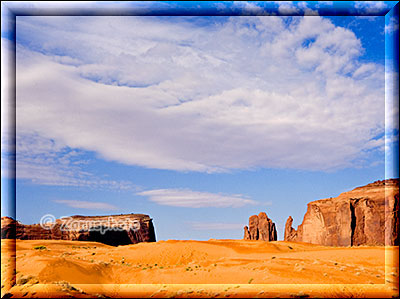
x: 195, y: 199
x: 370, y: 7
x: 324, y: 3
x: 393, y: 26
x: 376, y: 144
x: 79, y: 204
x: 287, y: 7
x: 364, y: 70
x: 247, y: 8
x: 191, y: 94
x: 215, y: 226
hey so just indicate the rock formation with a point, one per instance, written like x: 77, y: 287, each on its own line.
x: 246, y: 233
x: 290, y: 232
x: 112, y: 230
x: 253, y: 227
x: 367, y: 215
x: 8, y: 226
x: 260, y: 228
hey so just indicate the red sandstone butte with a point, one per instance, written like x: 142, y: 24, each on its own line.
x: 113, y: 230
x: 367, y: 215
x: 260, y: 228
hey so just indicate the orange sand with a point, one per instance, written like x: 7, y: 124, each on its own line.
x: 230, y: 268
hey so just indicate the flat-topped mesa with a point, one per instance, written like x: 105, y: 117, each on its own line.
x: 260, y: 228
x: 113, y: 230
x: 380, y: 183
x: 367, y: 215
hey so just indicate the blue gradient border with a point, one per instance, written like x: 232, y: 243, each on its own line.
x: 10, y: 10
x: 392, y: 93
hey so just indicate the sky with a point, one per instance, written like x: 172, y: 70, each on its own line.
x: 198, y: 121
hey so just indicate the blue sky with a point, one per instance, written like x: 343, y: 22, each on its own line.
x: 199, y: 122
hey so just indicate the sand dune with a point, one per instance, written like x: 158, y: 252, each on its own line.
x: 77, y: 268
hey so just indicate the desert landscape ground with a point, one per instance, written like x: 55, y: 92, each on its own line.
x: 59, y: 261
x: 231, y: 268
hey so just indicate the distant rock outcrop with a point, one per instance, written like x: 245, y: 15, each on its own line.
x: 290, y: 232
x: 260, y: 228
x: 112, y: 230
x: 8, y: 227
x: 367, y: 215
x: 246, y: 233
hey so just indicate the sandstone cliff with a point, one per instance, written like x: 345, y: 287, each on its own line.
x: 112, y: 230
x: 367, y: 215
x: 260, y: 228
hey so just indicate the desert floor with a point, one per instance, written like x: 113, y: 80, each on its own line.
x: 230, y: 268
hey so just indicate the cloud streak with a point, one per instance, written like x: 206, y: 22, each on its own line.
x: 90, y: 205
x: 42, y: 161
x: 193, y: 199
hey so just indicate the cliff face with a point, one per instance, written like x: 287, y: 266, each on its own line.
x: 260, y: 228
x: 112, y: 230
x: 367, y: 215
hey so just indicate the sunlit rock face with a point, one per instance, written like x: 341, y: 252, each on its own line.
x: 367, y: 215
x: 260, y: 228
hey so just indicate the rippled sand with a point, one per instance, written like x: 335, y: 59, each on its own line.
x: 230, y: 268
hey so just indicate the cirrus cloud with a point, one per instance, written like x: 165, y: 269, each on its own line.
x: 81, y: 204
x: 201, y: 94
x: 194, y: 199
